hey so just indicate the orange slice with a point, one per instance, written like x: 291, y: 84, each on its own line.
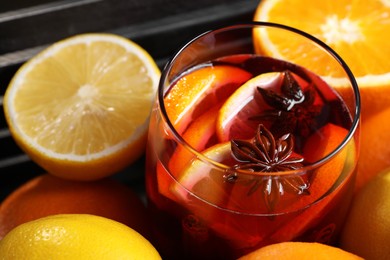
x: 200, y: 176
x: 202, y: 185
x: 233, y: 116
x: 80, y: 109
x: 324, y: 178
x: 198, y: 135
x: 211, y: 194
x: 319, y: 145
x: 204, y: 182
x: 199, y: 90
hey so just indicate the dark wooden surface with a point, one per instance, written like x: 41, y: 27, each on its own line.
x: 159, y: 26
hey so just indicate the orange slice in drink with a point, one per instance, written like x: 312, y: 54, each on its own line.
x: 202, y: 180
x: 199, y: 90
x: 208, y: 190
x: 322, y: 181
x: 205, y: 190
x: 318, y: 146
x: 197, y: 136
x: 233, y: 119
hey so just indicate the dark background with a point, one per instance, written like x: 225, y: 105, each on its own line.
x: 159, y: 26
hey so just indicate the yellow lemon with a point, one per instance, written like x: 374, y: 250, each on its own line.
x: 75, y: 236
x: 80, y: 108
x: 367, y: 228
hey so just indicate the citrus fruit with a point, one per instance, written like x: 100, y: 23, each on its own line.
x: 367, y: 227
x: 326, y: 175
x: 232, y: 118
x: 353, y: 29
x: 80, y: 108
x: 215, y: 83
x: 212, y: 186
x: 299, y: 250
x: 75, y: 236
x: 201, y: 180
x: 197, y: 136
x: 322, y: 180
x: 48, y: 195
x: 374, y: 149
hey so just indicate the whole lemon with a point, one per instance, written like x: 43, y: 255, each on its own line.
x: 367, y: 228
x: 75, y: 236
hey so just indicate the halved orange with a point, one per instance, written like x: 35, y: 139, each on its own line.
x: 199, y: 90
x: 355, y: 30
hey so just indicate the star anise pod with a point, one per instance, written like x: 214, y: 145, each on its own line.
x: 265, y: 154
x: 293, y: 110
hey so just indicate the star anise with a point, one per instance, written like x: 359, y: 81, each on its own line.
x: 265, y: 154
x: 293, y: 110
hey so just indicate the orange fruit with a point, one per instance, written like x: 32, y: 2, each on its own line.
x: 80, y: 108
x: 215, y: 83
x: 75, y: 236
x: 353, y: 29
x: 299, y: 250
x: 48, y: 195
x: 374, y: 147
x: 367, y: 227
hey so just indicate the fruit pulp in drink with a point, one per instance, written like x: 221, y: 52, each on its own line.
x: 241, y: 174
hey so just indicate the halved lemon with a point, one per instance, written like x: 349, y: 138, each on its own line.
x: 80, y: 108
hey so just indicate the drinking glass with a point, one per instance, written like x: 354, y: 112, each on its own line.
x: 253, y: 140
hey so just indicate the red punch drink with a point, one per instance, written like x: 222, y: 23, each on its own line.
x: 247, y: 150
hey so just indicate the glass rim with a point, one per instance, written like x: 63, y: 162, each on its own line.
x: 355, y: 122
